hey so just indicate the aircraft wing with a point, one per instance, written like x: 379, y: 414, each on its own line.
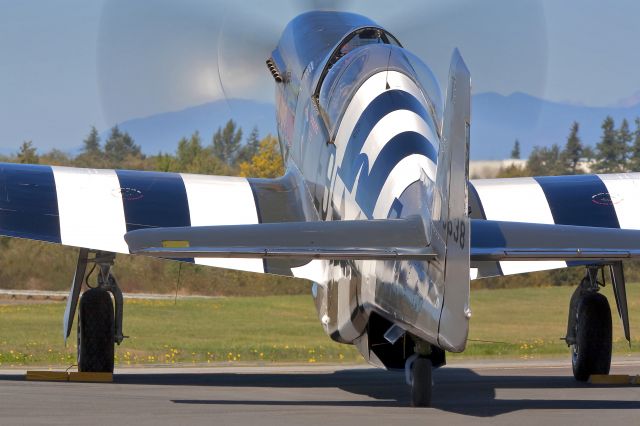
x: 95, y: 208
x: 576, y: 204
x: 517, y: 241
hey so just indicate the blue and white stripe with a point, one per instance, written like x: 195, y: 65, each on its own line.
x: 95, y: 208
x: 611, y: 201
x: 385, y: 141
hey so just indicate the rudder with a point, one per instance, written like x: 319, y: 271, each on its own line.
x: 450, y: 230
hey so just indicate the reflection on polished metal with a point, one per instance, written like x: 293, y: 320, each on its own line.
x: 376, y: 207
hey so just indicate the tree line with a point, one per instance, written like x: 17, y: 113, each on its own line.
x: 226, y: 154
x: 617, y: 151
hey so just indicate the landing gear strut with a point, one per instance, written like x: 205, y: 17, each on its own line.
x: 99, y: 325
x: 589, y: 328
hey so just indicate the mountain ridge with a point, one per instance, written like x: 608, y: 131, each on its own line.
x: 497, y: 121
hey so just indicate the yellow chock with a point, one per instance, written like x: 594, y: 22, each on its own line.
x: 76, y: 376
x: 73, y: 376
x: 48, y: 376
x: 611, y: 379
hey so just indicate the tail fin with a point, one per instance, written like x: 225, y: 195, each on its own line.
x: 450, y: 230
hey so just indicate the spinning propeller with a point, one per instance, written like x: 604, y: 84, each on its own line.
x: 162, y: 55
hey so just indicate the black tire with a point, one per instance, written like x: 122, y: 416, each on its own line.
x: 422, y: 384
x: 96, y: 331
x: 591, y: 354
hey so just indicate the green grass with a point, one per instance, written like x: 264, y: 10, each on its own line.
x: 518, y: 323
x: 267, y: 329
x: 529, y: 322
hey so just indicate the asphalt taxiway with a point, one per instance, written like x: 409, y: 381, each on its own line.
x: 520, y: 392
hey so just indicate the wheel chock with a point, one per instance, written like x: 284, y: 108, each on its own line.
x: 614, y: 379
x: 47, y: 376
x: 76, y: 376
x: 73, y: 376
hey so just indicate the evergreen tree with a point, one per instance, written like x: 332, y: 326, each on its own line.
x: 588, y: 153
x: 573, y: 150
x: 27, y: 153
x: 634, y: 154
x: 545, y: 161
x: 226, y: 142
x: 91, y: 144
x: 515, y: 152
x: 119, y: 146
x: 250, y: 148
x: 625, y: 137
x: 189, y: 150
x: 609, y: 155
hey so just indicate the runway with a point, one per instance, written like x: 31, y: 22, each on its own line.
x: 519, y: 392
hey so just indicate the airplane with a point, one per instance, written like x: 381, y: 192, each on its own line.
x: 376, y: 209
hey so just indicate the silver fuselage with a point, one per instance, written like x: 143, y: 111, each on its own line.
x: 361, y: 135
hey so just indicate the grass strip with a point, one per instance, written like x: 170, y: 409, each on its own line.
x: 515, y: 323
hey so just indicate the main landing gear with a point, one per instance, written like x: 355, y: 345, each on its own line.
x: 99, y: 325
x: 589, y: 329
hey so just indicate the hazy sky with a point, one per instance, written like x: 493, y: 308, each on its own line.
x: 68, y: 64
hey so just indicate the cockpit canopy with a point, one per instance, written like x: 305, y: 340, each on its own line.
x: 339, y: 80
x: 310, y: 37
x: 330, y: 52
x: 358, y: 38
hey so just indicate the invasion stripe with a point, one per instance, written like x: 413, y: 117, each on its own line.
x: 408, y: 171
x: 91, y: 210
x: 365, y: 94
x: 153, y: 199
x: 385, y: 103
x: 623, y: 191
x: 28, y: 202
x: 516, y: 200
x: 476, y: 211
x: 371, y: 181
x: 393, y: 124
x: 222, y: 200
x: 573, y: 200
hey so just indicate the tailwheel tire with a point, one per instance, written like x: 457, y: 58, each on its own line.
x: 591, y: 354
x: 96, y: 331
x: 421, y: 385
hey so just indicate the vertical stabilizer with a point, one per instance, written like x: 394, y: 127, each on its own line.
x: 450, y: 230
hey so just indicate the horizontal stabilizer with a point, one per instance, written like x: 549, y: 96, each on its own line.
x: 495, y: 240
x: 387, y: 239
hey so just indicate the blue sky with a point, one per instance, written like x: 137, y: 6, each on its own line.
x: 68, y: 64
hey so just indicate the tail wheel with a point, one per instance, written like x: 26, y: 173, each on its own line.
x: 591, y: 353
x: 96, y: 331
x: 421, y: 385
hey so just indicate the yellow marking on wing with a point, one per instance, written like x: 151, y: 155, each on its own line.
x: 175, y: 244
